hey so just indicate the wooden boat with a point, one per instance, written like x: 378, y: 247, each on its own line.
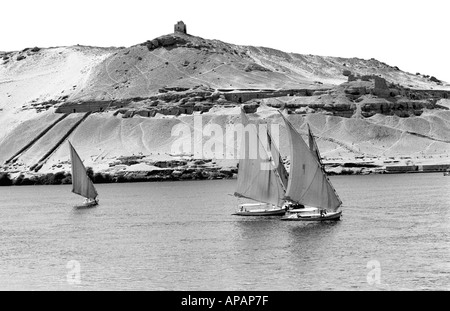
x: 81, y: 183
x: 308, y: 184
x: 259, y: 209
x: 311, y: 214
x: 265, y: 186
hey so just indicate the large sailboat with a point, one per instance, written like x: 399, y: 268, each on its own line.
x: 81, y: 183
x: 310, y: 196
x: 262, y: 178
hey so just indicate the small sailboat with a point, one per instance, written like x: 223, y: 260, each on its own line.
x: 81, y: 183
x: 310, y: 196
x: 261, y: 178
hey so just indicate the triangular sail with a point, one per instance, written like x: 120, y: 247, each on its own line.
x: 81, y: 183
x: 257, y: 177
x: 308, y: 183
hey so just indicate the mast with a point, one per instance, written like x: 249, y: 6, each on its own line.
x: 308, y: 183
x: 313, y: 145
x: 81, y: 183
x: 278, y: 161
x: 281, y: 171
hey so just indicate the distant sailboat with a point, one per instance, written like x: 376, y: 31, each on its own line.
x: 308, y: 185
x: 261, y: 178
x: 81, y: 183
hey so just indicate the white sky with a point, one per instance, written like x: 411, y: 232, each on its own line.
x: 413, y: 35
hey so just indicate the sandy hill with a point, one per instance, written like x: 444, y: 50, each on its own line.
x: 120, y: 102
x: 181, y: 60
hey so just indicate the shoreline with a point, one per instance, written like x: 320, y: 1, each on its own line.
x: 203, y: 173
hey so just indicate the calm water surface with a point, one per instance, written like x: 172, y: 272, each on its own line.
x: 394, y: 235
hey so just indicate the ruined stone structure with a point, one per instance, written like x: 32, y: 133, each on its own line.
x: 380, y: 88
x: 180, y: 27
x: 380, y: 83
x: 239, y: 96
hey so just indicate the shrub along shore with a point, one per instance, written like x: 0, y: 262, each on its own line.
x: 199, y: 172
x: 173, y: 174
x: 61, y: 178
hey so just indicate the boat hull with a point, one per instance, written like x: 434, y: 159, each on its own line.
x: 259, y: 209
x: 87, y: 205
x: 313, y: 217
x: 274, y: 212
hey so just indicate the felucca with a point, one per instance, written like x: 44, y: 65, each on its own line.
x: 310, y: 195
x: 81, y: 183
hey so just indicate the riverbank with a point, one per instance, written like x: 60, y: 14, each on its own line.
x: 135, y: 170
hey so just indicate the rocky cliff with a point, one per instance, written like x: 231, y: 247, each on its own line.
x: 125, y: 102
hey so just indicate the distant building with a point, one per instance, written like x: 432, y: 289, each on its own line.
x: 180, y: 27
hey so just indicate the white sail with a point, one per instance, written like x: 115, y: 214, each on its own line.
x: 257, y: 176
x: 308, y: 183
x: 81, y: 183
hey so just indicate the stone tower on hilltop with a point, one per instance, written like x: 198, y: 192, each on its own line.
x: 180, y: 27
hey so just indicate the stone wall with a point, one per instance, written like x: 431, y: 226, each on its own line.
x: 243, y: 96
x: 91, y: 106
x: 403, y: 107
x: 417, y: 168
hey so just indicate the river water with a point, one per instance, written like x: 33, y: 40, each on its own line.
x: 394, y: 235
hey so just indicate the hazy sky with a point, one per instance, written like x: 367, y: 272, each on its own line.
x: 413, y: 35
